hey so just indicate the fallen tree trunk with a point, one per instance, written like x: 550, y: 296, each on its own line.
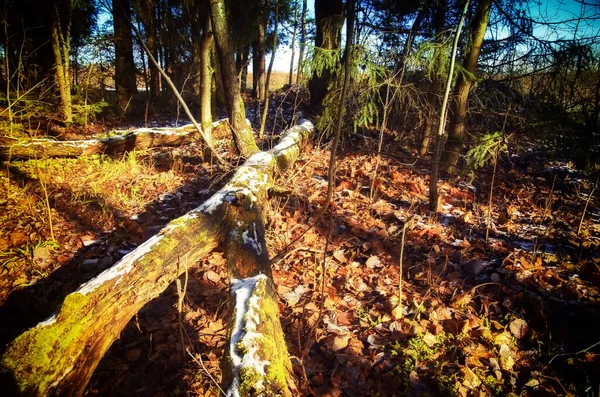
x: 58, y: 356
x: 143, y: 138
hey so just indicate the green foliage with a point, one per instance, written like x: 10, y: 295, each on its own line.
x: 433, y: 58
x: 363, y: 103
x: 364, y: 315
x: 86, y: 112
x: 318, y: 60
x: 487, y: 148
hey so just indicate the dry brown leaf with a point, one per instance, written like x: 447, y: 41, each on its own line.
x: 211, y: 276
x: 518, y: 328
x: 471, y: 381
x: 429, y: 339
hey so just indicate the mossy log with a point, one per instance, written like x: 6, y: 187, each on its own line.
x: 140, y: 139
x: 58, y: 356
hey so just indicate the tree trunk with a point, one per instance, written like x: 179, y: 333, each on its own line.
x: 147, y: 14
x: 433, y: 96
x: 302, y: 41
x: 263, y: 121
x: 242, y: 133
x: 433, y: 101
x: 125, y: 82
x: 244, y: 73
x: 258, y: 64
x: 206, y: 78
x: 12, y: 148
x: 196, y: 44
x: 329, y: 17
x: 60, y: 47
x: 58, y: 356
x: 435, y: 159
x: 460, y: 102
x: 293, y: 45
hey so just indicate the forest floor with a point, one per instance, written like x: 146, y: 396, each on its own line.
x: 460, y: 316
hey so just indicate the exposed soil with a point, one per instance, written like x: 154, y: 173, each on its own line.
x: 516, y: 314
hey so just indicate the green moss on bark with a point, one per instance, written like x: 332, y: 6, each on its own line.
x: 270, y: 347
x: 32, y: 356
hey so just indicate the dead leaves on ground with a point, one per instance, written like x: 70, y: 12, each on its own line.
x: 445, y: 335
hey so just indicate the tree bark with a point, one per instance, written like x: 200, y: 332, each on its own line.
x: 242, y: 133
x: 460, y: 102
x: 245, y: 54
x: 125, y: 82
x: 433, y: 96
x: 329, y: 15
x: 258, y: 64
x: 206, y: 46
x: 147, y: 14
x: 341, y: 108
x: 60, y: 39
x: 293, y: 45
x: 13, y: 148
x: 58, y: 356
x: 302, y: 41
x: 263, y: 121
x: 435, y: 161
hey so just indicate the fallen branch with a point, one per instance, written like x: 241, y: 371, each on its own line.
x: 140, y: 139
x: 58, y: 356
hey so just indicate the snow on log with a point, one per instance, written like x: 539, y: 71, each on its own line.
x: 257, y: 361
x: 58, y: 356
x: 142, y: 138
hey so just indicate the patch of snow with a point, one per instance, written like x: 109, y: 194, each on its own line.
x: 210, y: 205
x: 244, y: 331
x: 87, y: 243
x: 445, y: 219
x: 260, y: 158
x: 524, y: 245
x: 121, y: 268
x: 289, y: 140
x: 49, y: 321
x: 252, y: 240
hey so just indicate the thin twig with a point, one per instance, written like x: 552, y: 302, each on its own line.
x: 576, y: 353
x: 406, y: 223
x: 199, y: 361
x: 587, y: 202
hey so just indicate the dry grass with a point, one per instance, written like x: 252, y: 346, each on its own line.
x: 278, y: 80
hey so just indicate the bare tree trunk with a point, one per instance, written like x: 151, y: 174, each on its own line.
x: 258, y: 65
x: 302, y: 41
x: 242, y: 133
x: 13, y: 148
x: 341, y: 109
x: 125, y: 83
x: 435, y: 162
x: 206, y: 46
x: 460, y: 103
x: 58, y: 356
x: 244, y: 72
x: 60, y: 47
x: 329, y: 15
x: 433, y: 96
x: 263, y: 121
x: 293, y: 45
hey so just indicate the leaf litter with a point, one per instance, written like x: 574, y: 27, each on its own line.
x: 517, y: 314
